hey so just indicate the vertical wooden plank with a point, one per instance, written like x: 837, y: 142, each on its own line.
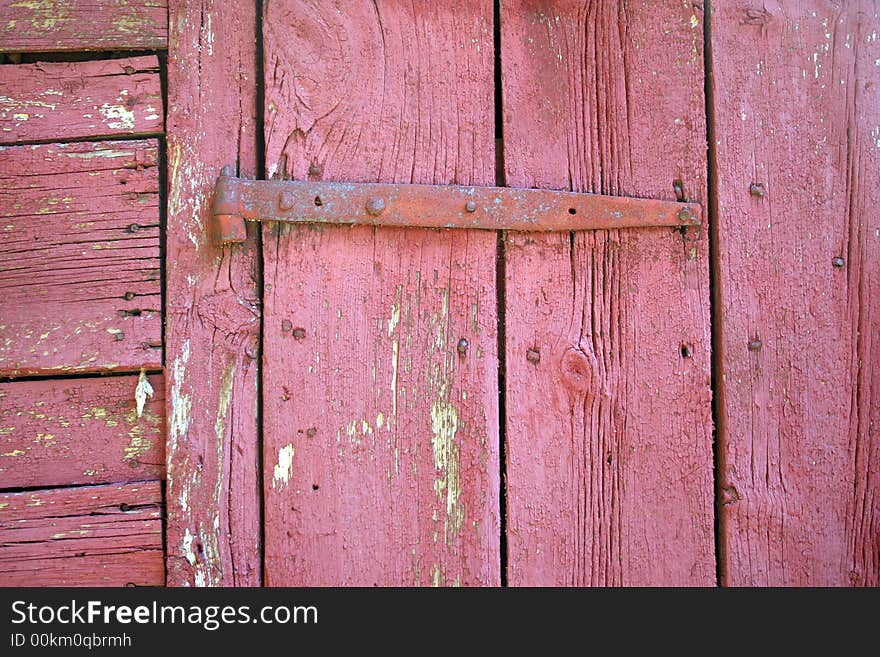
x: 609, y: 430
x: 381, y: 437
x: 797, y: 113
x: 212, y: 336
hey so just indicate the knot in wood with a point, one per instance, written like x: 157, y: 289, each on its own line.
x: 578, y: 370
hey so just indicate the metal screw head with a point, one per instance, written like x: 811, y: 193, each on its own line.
x: 838, y: 262
x: 119, y: 337
x: 685, y: 214
x: 462, y: 346
x: 299, y: 333
x: 533, y: 356
x: 285, y: 200
x: 129, y: 296
x: 757, y: 190
x: 755, y: 345
x: 471, y: 206
x: 133, y: 228
x: 375, y: 206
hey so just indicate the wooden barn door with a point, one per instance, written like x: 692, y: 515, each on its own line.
x: 570, y: 442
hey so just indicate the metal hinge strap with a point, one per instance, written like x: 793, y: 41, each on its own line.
x: 237, y: 200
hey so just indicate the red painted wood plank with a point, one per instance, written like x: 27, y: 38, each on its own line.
x: 80, y: 431
x: 609, y: 430
x: 87, y: 536
x: 797, y: 107
x: 212, y: 331
x: 381, y: 438
x: 79, y: 258
x: 67, y: 100
x: 53, y: 25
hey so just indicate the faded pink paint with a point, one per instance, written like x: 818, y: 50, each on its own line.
x: 84, y: 536
x: 797, y: 107
x: 80, y: 287
x: 381, y: 439
x: 60, y: 432
x: 609, y: 430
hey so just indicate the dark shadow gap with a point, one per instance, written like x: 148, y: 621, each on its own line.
x: 260, y: 174
x: 501, y: 298
x: 76, y: 376
x: 124, y: 482
x: 715, y: 294
x: 34, y: 57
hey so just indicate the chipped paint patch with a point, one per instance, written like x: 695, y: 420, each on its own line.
x: 283, y: 470
x: 447, y: 484
x: 141, y: 392
x: 118, y: 117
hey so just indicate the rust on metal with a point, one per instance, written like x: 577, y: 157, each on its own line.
x: 237, y: 200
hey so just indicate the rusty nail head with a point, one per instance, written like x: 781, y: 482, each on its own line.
x: 533, y: 356
x: 375, y: 206
x: 129, y: 70
x: 129, y: 296
x: 119, y: 337
x: 838, y: 262
x: 299, y: 333
x: 685, y: 214
x: 755, y: 345
x: 462, y: 346
x: 285, y: 200
x: 471, y: 206
x: 133, y: 228
x: 757, y: 190
x: 133, y: 464
x: 286, y: 325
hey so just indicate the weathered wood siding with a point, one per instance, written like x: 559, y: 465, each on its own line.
x: 80, y: 283
x: 68, y: 100
x: 797, y: 130
x: 59, y: 432
x: 381, y: 438
x: 70, y: 25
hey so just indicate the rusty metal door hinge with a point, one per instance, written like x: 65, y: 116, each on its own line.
x: 237, y: 200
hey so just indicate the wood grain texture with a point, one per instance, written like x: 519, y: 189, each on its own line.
x: 797, y: 107
x: 61, y: 101
x: 86, y: 536
x: 381, y: 438
x: 80, y: 431
x: 609, y: 430
x: 80, y: 289
x: 213, y: 307
x: 66, y: 25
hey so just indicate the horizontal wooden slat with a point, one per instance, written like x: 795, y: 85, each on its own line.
x: 88, y: 536
x: 61, y: 101
x: 63, y: 25
x: 80, y: 431
x: 79, y: 258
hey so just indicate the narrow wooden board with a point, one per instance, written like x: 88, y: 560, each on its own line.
x: 213, y: 306
x: 80, y: 431
x: 86, y: 536
x: 80, y: 289
x: 609, y: 429
x: 381, y: 439
x: 797, y: 107
x: 57, y: 25
x: 61, y: 101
